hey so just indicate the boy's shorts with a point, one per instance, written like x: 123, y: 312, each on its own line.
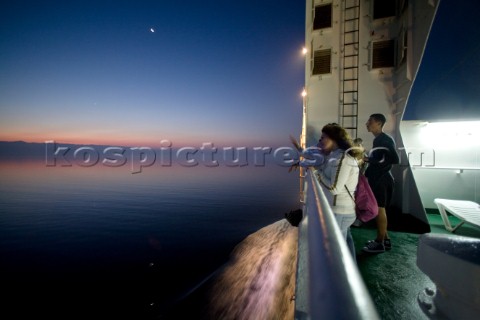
x: 382, y: 189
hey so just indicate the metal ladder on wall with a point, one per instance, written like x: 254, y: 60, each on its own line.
x: 349, y: 73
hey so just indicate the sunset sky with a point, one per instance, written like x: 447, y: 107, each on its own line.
x: 228, y: 72
x: 134, y: 73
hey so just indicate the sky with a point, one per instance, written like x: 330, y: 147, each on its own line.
x: 134, y: 73
x: 447, y: 86
x: 137, y: 72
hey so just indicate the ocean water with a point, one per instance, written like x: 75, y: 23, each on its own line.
x: 102, y: 242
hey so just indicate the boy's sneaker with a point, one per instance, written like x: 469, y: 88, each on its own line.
x: 374, y: 247
x: 387, y: 243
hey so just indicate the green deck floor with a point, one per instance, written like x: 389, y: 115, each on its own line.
x: 393, y: 278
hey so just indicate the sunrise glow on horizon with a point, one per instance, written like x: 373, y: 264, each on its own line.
x: 135, y: 74
x: 153, y: 141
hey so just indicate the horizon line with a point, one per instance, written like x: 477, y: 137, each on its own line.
x: 277, y: 144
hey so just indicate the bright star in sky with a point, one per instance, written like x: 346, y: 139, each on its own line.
x: 152, y: 30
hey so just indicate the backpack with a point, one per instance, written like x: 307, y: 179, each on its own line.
x: 366, y: 207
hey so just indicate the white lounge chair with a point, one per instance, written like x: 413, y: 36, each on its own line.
x: 467, y: 211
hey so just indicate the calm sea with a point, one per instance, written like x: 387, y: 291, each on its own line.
x: 101, y: 242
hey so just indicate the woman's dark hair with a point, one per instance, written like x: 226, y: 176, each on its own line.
x: 341, y: 137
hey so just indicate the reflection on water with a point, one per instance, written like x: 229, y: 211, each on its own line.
x: 133, y: 241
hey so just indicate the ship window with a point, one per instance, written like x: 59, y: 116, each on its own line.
x: 383, y: 54
x: 322, y: 62
x: 384, y: 8
x: 323, y: 17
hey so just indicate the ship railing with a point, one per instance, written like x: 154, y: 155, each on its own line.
x: 328, y: 282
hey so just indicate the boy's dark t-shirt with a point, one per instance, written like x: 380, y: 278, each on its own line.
x: 381, y: 160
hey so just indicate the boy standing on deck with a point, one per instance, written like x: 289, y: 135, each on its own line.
x: 380, y: 161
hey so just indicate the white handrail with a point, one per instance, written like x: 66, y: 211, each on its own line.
x: 444, y: 168
x: 328, y: 285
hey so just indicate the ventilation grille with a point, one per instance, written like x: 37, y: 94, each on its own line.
x: 322, y: 62
x: 383, y: 54
x: 323, y: 17
x: 384, y: 8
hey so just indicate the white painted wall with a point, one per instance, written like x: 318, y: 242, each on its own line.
x: 450, y: 164
x: 380, y: 90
